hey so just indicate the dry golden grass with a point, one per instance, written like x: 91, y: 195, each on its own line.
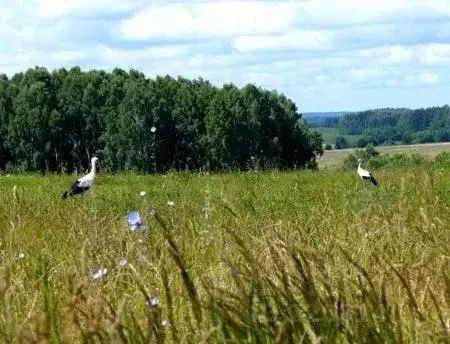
x: 310, y: 257
x: 333, y: 159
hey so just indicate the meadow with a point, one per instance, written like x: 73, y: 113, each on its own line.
x: 331, y: 134
x: 259, y: 257
x: 333, y: 159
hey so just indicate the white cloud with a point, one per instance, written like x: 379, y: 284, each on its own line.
x: 25, y: 59
x: 325, y: 54
x: 426, y: 54
x: 429, y: 78
x: 434, y: 54
x: 422, y: 78
x: 147, y: 55
x: 363, y: 74
x: 293, y: 40
x: 61, y: 8
x: 347, y: 12
x: 388, y: 54
x: 217, y: 18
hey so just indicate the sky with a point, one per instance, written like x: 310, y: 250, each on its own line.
x: 326, y: 55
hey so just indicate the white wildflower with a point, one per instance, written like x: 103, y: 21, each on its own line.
x: 100, y: 274
x: 123, y: 262
x: 153, y: 302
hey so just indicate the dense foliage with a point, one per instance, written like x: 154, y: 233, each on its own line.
x: 388, y: 126
x: 54, y: 121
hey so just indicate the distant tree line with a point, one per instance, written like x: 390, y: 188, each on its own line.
x: 325, y: 121
x: 54, y: 121
x: 390, y: 126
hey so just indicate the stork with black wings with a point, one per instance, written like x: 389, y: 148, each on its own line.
x: 365, y: 175
x: 83, y: 184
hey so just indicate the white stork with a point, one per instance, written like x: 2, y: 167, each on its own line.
x: 85, y: 183
x: 364, y: 174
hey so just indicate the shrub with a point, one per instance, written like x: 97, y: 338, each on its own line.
x: 362, y: 142
x: 341, y: 143
x: 365, y: 154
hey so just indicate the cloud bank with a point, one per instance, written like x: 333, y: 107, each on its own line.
x: 327, y: 55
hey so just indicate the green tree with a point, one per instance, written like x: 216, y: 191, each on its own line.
x: 29, y: 128
x: 56, y: 121
x: 341, y: 143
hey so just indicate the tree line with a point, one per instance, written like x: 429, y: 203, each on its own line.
x: 390, y: 126
x: 55, y: 121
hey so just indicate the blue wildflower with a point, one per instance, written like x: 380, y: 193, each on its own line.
x: 135, y: 222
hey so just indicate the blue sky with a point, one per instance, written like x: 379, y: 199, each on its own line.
x: 327, y: 55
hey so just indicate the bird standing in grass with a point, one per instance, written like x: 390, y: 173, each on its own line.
x: 85, y: 183
x: 364, y: 174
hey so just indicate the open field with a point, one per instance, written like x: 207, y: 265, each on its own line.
x: 330, y: 134
x: 333, y: 159
x: 311, y: 257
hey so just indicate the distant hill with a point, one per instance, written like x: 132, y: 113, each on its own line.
x: 314, y: 115
x: 384, y: 126
x: 319, y: 119
x: 324, y: 114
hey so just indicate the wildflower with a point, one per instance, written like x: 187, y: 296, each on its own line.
x: 21, y: 255
x: 153, y: 302
x: 123, y: 262
x: 100, y: 274
x: 170, y: 203
x: 142, y: 193
x: 152, y: 212
x: 134, y: 219
x: 135, y: 222
x: 164, y: 323
x: 153, y: 129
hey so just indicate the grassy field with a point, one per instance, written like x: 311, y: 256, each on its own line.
x: 311, y: 257
x: 330, y: 134
x: 333, y: 159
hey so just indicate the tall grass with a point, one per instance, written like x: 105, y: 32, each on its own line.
x: 249, y: 258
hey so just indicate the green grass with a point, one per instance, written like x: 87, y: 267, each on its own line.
x: 330, y: 134
x: 310, y: 257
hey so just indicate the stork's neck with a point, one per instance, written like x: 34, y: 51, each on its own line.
x: 93, y: 168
